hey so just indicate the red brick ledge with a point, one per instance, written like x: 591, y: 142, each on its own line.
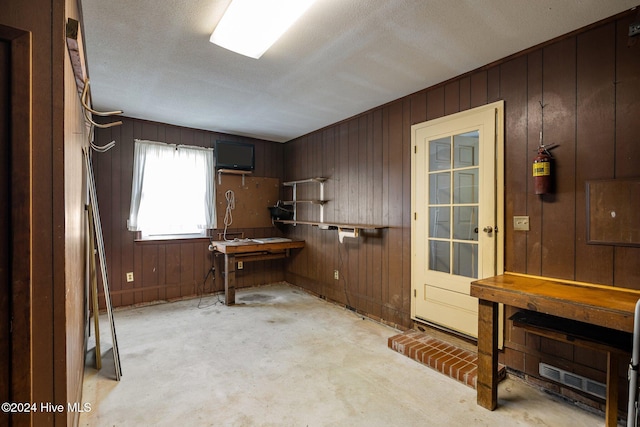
x: 446, y: 358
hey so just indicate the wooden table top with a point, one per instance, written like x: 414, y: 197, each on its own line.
x: 246, y: 246
x: 599, y: 305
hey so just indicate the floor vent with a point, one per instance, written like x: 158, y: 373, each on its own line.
x: 572, y: 380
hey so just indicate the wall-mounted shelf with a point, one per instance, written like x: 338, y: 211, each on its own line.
x: 314, y: 202
x: 294, y: 201
x: 306, y: 180
x: 344, y: 230
x: 232, y: 172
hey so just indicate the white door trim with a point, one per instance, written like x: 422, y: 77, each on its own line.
x: 498, y: 191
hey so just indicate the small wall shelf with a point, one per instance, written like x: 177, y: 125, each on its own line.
x: 294, y: 201
x: 232, y: 172
x: 344, y: 230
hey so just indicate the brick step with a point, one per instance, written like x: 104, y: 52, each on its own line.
x: 454, y: 362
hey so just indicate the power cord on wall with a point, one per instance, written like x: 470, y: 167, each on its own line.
x: 344, y: 283
x: 228, y: 217
x: 203, y: 289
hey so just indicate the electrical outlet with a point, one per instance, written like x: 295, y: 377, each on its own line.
x: 521, y: 223
x: 240, y: 265
x: 634, y: 29
x: 336, y: 275
x: 130, y: 276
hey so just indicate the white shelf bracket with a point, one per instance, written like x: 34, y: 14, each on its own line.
x: 352, y: 233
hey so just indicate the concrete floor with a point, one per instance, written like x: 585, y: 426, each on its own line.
x: 282, y: 357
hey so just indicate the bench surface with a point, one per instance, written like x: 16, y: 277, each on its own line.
x: 597, y: 305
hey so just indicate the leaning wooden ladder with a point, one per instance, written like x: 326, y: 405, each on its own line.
x: 97, y: 227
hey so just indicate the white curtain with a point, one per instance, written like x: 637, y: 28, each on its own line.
x: 172, y: 191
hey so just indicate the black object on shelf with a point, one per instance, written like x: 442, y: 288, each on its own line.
x: 279, y: 212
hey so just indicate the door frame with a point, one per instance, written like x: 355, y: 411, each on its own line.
x: 499, y: 172
x: 20, y: 188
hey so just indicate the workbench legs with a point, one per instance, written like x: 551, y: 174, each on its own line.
x: 229, y: 279
x: 487, y: 382
x: 611, y: 410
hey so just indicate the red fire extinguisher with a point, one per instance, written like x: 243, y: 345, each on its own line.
x: 542, y: 171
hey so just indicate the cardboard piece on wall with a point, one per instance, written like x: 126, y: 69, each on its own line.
x: 613, y: 212
x: 251, y: 200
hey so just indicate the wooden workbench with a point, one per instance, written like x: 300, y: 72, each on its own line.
x: 597, y: 305
x: 248, y: 251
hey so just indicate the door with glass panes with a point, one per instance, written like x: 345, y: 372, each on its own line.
x: 456, y: 225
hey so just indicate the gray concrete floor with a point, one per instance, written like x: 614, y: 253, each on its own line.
x: 282, y: 357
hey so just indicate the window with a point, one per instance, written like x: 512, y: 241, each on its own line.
x: 172, y: 189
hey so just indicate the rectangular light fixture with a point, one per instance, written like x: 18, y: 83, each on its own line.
x: 250, y: 27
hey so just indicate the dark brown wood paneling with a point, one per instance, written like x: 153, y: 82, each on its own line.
x: 165, y: 269
x: 573, y: 77
x: 115, y: 243
x: 352, y: 168
x: 126, y: 257
x: 478, y: 88
x: 47, y: 132
x: 514, y: 93
x: 626, y: 271
x: 69, y: 375
x: 395, y: 201
x: 188, y: 269
x: 376, y: 254
x: 405, y: 316
x: 385, y: 207
x: 435, y: 105
x: 364, y: 208
x: 627, y: 157
x: 452, y: 97
x: 559, y: 118
x: 418, y: 107
x: 586, y: 80
x: 149, y: 283
x: 627, y: 87
x: 534, y: 127
x: 595, y: 139
x: 465, y: 93
x: 493, y: 84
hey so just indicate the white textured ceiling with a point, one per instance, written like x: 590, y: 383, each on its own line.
x: 153, y: 59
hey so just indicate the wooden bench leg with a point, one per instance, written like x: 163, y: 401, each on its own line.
x: 611, y: 413
x: 229, y: 279
x: 487, y: 385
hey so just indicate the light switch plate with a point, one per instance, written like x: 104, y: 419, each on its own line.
x: 521, y: 223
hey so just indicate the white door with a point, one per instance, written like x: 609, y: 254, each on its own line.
x: 457, y: 205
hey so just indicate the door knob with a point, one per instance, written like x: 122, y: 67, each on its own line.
x: 488, y: 229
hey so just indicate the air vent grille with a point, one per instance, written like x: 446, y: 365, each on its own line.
x: 573, y: 380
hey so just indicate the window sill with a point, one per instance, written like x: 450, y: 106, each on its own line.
x: 170, y: 238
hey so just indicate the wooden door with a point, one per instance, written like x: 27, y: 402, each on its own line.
x: 456, y: 228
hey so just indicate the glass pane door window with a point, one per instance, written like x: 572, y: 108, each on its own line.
x: 456, y: 173
x: 453, y: 204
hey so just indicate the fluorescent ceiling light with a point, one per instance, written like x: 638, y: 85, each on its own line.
x: 250, y: 27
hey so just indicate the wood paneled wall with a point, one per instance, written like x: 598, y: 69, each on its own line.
x: 48, y: 303
x: 582, y: 91
x: 165, y: 270
x: 75, y: 233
